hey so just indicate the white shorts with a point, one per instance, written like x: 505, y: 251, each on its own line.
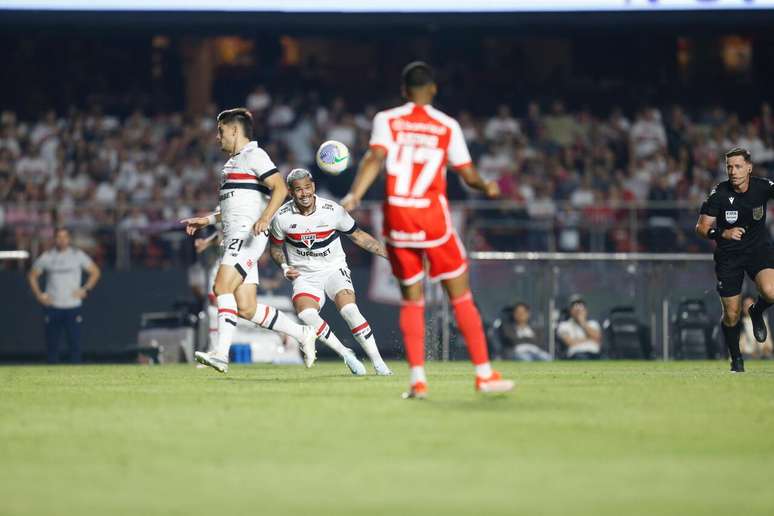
x: 241, y: 250
x: 318, y: 285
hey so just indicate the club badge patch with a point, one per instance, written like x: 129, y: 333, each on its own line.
x: 732, y: 216
x: 309, y: 239
x: 758, y: 213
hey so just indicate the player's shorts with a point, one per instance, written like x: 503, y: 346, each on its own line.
x: 318, y: 285
x: 730, y: 268
x: 447, y: 261
x: 241, y: 250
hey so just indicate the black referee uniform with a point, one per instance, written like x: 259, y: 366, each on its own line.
x: 754, y: 252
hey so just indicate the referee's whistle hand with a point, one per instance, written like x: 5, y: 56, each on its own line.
x: 733, y: 233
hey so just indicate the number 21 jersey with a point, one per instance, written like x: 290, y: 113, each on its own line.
x: 419, y: 142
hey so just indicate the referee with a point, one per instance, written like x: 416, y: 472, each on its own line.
x: 64, y: 294
x: 734, y: 215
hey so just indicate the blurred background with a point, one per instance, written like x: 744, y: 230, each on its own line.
x: 604, y: 122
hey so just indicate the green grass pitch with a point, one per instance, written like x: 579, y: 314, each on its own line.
x: 625, y: 438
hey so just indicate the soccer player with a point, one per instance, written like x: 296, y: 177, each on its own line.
x: 734, y: 215
x: 306, y: 230
x: 417, y: 141
x: 251, y: 191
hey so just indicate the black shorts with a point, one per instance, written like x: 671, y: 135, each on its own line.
x: 730, y: 268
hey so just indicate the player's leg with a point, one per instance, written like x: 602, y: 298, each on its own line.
x: 212, y: 316
x: 227, y: 280
x: 408, y: 269
x: 448, y: 263
x: 73, y: 321
x: 53, y: 325
x: 729, y: 271
x: 764, y: 280
x: 306, y: 301
x: 339, y: 287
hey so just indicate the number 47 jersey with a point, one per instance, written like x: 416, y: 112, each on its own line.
x: 420, y: 141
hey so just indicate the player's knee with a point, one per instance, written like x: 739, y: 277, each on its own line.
x: 731, y: 315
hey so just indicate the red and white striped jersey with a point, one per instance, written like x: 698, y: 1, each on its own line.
x: 420, y: 141
x: 243, y: 195
x: 312, y: 241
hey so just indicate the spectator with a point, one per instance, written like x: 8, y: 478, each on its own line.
x: 517, y: 338
x: 581, y: 337
x: 64, y: 293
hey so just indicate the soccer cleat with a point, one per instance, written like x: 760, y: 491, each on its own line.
x: 308, y: 345
x: 418, y: 391
x: 759, y: 327
x: 212, y: 361
x: 494, y: 383
x: 737, y: 365
x: 381, y: 369
x: 355, y: 365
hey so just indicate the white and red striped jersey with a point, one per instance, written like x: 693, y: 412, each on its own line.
x: 312, y: 241
x: 243, y: 195
x: 420, y: 141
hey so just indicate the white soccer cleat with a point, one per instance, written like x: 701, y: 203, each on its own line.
x: 212, y: 361
x: 355, y: 365
x: 382, y: 369
x: 308, y: 345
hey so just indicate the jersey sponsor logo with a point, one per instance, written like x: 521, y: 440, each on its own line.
x: 225, y: 196
x: 758, y: 213
x: 312, y: 253
x: 400, y: 124
x: 732, y: 216
x: 419, y: 236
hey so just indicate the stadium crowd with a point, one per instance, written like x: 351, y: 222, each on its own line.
x: 571, y: 179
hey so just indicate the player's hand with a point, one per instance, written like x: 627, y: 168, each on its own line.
x: 44, y: 299
x: 261, y: 226
x: 349, y: 202
x: 80, y: 293
x: 201, y: 244
x: 292, y: 273
x: 194, y: 224
x: 733, y: 233
x: 492, y: 189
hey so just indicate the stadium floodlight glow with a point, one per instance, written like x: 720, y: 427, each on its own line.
x: 376, y: 6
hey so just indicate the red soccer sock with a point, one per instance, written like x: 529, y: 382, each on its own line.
x: 412, y: 325
x: 469, y: 323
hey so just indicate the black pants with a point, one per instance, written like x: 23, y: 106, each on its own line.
x: 68, y: 320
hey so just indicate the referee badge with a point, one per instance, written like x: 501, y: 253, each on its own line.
x: 732, y: 216
x: 758, y: 213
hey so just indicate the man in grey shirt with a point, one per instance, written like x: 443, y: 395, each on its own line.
x: 63, y: 266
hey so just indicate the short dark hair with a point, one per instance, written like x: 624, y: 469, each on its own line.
x: 739, y: 151
x: 61, y: 228
x: 242, y: 116
x: 522, y: 304
x: 417, y: 74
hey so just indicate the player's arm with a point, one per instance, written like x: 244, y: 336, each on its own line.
x: 33, y: 278
x: 365, y: 241
x: 367, y: 172
x: 278, y: 255
x: 279, y: 192
x: 706, y: 227
x: 473, y: 179
x: 194, y: 224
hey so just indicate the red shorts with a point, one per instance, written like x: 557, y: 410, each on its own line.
x: 446, y: 261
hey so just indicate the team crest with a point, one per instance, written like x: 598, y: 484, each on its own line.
x: 249, y: 263
x: 732, y: 216
x: 758, y: 213
x: 309, y: 239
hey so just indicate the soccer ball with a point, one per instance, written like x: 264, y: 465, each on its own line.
x: 333, y: 157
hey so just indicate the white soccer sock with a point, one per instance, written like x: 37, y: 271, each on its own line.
x: 212, y: 315
x: 324, y: 332
x: 227, y: 321
x: 361, y: 330
x: 484, y: 370
x: 272, y: 319
x: 418, y: 375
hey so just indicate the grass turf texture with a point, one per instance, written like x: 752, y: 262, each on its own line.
x: 575, y: 438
